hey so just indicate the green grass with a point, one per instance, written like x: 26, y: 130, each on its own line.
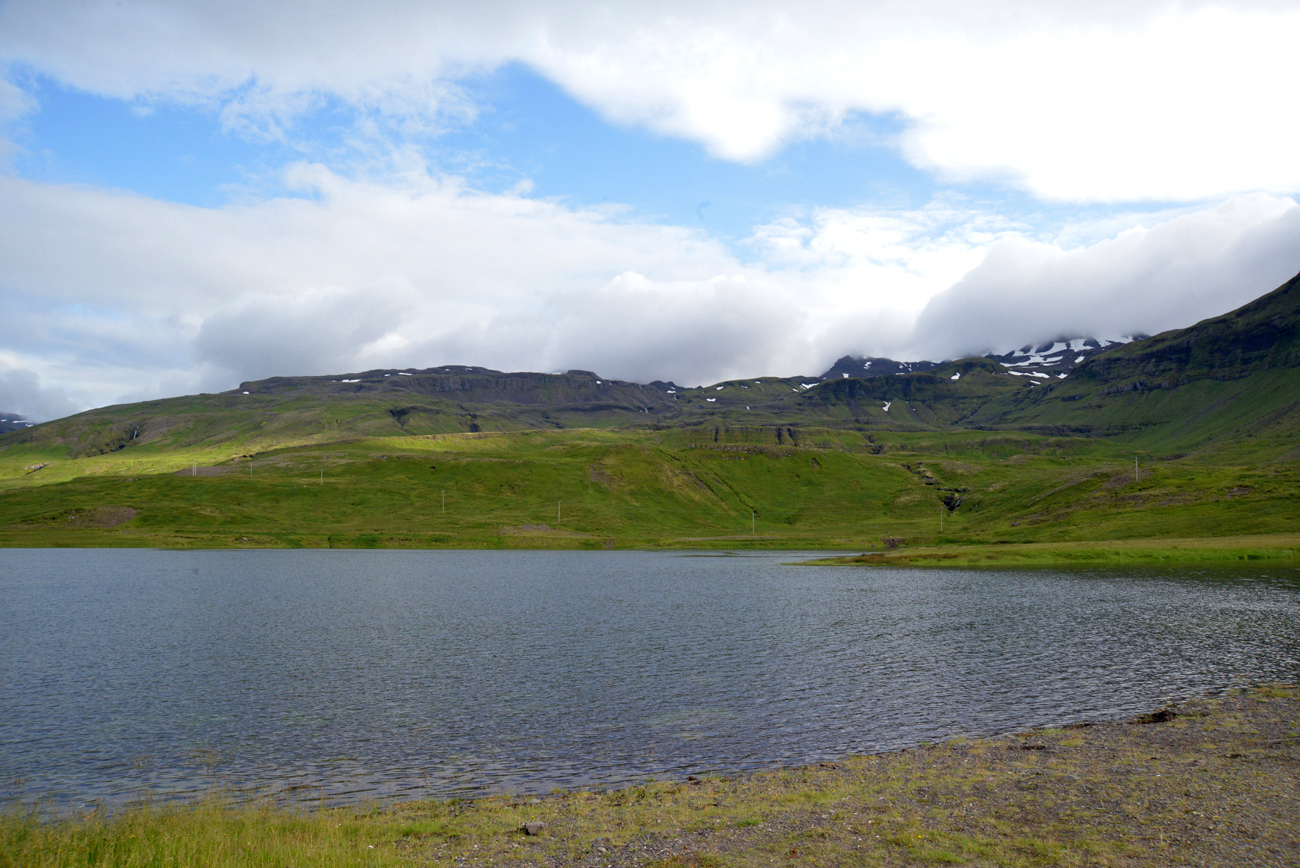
x: 685, y: 487
x: 214, y: 833
x: 1206, y: 551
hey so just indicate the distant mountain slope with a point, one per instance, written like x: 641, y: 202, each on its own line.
x: 283, y: 410
x: 1261, y: 335
x: 1048, y: 360
x: 945, y: 396
x: 1227, y: 378
x: 871, y: 366
x: 13, y: 422
x: 1057, y: 357
x: 1234, y: 375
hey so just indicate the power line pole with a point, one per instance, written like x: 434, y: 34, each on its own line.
x: 557, y: 511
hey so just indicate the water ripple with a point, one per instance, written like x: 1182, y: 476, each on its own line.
x: 352, y: 676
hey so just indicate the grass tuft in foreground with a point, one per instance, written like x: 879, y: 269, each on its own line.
x: 1211, y: 782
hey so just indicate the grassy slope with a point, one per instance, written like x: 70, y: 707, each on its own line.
x: 829, y: 488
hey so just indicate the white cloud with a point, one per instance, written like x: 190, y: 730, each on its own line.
x: 1071, y: 101
x: 104, y: 290
x: 116, y: 296
x: 1148, y: 280
x: 112, y: 297
x: 22, y: 393
x: 14, y: 104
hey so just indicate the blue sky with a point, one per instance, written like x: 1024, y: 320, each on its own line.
x: 525, y: 128
x: 175, y: 153
x: 199, y: 193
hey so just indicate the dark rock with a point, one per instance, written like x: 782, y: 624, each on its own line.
x: 1164, y: 715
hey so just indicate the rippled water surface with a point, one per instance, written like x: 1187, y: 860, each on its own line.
x: 360, y: 675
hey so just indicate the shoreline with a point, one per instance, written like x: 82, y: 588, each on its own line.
x: 1270, y: 549
x: 1242, y: 550
x: 1207, y: 781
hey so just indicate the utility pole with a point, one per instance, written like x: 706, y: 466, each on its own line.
x: 322, y: 477
x: 557, y: 511
x: 194, y: 469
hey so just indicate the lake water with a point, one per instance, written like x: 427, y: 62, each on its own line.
x: 351, y: 676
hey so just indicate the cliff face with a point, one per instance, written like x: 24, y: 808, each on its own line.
x: 573, y: 390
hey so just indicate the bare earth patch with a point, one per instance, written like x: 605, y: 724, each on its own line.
x: 102, y: 516
x: 223, y: 470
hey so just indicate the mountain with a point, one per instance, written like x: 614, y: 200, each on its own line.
x: 1056, y: 358
x: 871, y: 366
x: 1234, y: 376
x: 279, y: 410
x: 1226, y: 378
x: 1042, y: 361
x: 13, y: 422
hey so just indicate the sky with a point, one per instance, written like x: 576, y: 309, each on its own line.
x: 194, y: 194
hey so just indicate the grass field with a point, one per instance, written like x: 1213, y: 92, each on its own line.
x: 1212, y: 782
x: 1262, y: 549
x: 689, y: 487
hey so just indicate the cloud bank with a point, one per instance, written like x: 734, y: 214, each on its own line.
x: 112, y: 297
x: 124, y: 297
x: 1145, y: 280
x: 1070, y: 101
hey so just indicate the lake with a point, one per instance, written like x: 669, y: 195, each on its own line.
x: 356, y: 675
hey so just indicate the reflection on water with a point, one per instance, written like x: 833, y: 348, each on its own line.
x: 363, y: 675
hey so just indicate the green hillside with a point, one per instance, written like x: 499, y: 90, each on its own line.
x: 705, y: 487
x: 1230, y: 380
x: 575, y: 460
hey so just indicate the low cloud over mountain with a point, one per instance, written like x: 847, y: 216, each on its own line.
x: 1145, y: 280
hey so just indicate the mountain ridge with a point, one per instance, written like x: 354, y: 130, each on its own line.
x: 1076, y: 387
